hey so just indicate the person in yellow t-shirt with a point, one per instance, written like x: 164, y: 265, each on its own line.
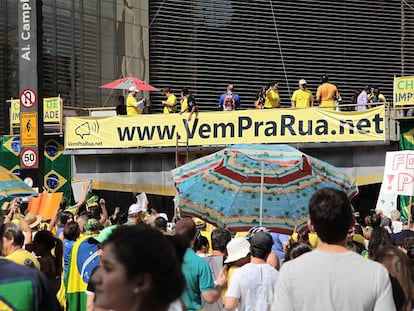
x: 302, y: 97
x: 327, y: 93
x: 13, y: 240
x: 184, y: 104
x: 170, y: 105
x: 133, y: 106
x: 188, y: 103
x: 272, y: 99
x: 376, y: 98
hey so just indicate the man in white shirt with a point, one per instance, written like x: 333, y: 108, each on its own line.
x: 362, y: 99
x: 332, y: 277
x: 251, y: 286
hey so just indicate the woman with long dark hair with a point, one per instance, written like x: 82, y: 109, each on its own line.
x: 51, y: 265
x: 140, y: 270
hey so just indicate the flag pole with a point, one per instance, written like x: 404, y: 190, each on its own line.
x: 261, y: 193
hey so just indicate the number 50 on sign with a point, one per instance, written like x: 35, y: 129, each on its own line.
x: 29, y: 158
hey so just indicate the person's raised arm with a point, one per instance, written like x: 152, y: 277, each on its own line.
x: 104, y: 217
x: 85, y: 190
x: 27, y: 232
x: 193, y: 109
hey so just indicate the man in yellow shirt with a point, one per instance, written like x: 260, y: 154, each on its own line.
x: 302, y: 97
x: 133, y: 106
x: 327, y: 93
x: 13, y: 240
x: 272, y: 97
x: 170, y: 105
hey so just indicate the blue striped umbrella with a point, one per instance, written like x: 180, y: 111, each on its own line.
x: 248, y: 185
x: 12, y: 186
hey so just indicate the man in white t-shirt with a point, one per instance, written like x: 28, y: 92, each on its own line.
x: 251, y: 286
x: 332, y: 277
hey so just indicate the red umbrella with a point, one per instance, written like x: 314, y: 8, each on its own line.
x: 126, y: 82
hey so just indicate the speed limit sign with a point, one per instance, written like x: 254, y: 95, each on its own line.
x: 29, y: 158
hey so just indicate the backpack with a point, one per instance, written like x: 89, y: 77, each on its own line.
x: 191, y: 102
x: 228, y: 102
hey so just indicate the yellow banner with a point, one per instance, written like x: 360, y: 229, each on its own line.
x: 404, y: 90
x: 51, y: 110
x: 222, y: 128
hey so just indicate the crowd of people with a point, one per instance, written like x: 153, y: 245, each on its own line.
x: 85, y: 259
x: 267, y: 97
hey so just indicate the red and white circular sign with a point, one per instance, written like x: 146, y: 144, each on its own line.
x: 29, y: 158
x: 28, y: 98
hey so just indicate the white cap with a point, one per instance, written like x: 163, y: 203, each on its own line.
x: 302, y: 81
x: 237, y: 248
x: 135, y: 209
x: 163, y: 215
x: 132, y: 89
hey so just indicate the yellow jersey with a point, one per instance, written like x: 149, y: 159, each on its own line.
x: 302, y: 98
x: 272, y: 99
x: 131, y: 110
x: 171, y: 99
x: 326, y: 94
x: 184, y: 105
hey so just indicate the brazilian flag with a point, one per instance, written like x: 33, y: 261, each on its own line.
x: 83, y: 260
x: 57, y: 166
x: 406, y: 143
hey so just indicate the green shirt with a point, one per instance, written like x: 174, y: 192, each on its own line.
x: 198, y: 276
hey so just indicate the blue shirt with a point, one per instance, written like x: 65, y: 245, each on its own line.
x: 236, y: 100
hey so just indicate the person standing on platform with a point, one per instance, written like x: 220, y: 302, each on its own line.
x: 133, y: 106
x: 272, y: 99
x: 224, y: 96
x: 188, y: 103
x: 121, y: 108
x: 302, y: 97
x: 362, y: 99
x: 327, y: 93
x: 170, y: 105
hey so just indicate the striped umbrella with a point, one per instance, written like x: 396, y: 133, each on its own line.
x: 248, y: 185
x: 126, y: 82
x: 12, y: 186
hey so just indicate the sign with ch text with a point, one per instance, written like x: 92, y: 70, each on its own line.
x: 404, y: 90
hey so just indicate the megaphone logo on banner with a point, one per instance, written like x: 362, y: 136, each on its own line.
x: 86, y: 129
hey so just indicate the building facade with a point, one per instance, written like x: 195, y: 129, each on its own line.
x: 205, y: 45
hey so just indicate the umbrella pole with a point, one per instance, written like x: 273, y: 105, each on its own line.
x: 261, y: 194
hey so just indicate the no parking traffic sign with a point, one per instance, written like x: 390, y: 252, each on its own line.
x: 29, y: 158
x: 28, y: 98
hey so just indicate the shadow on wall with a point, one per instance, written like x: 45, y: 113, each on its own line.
x: 366, y: 200
x: 162, y: 204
